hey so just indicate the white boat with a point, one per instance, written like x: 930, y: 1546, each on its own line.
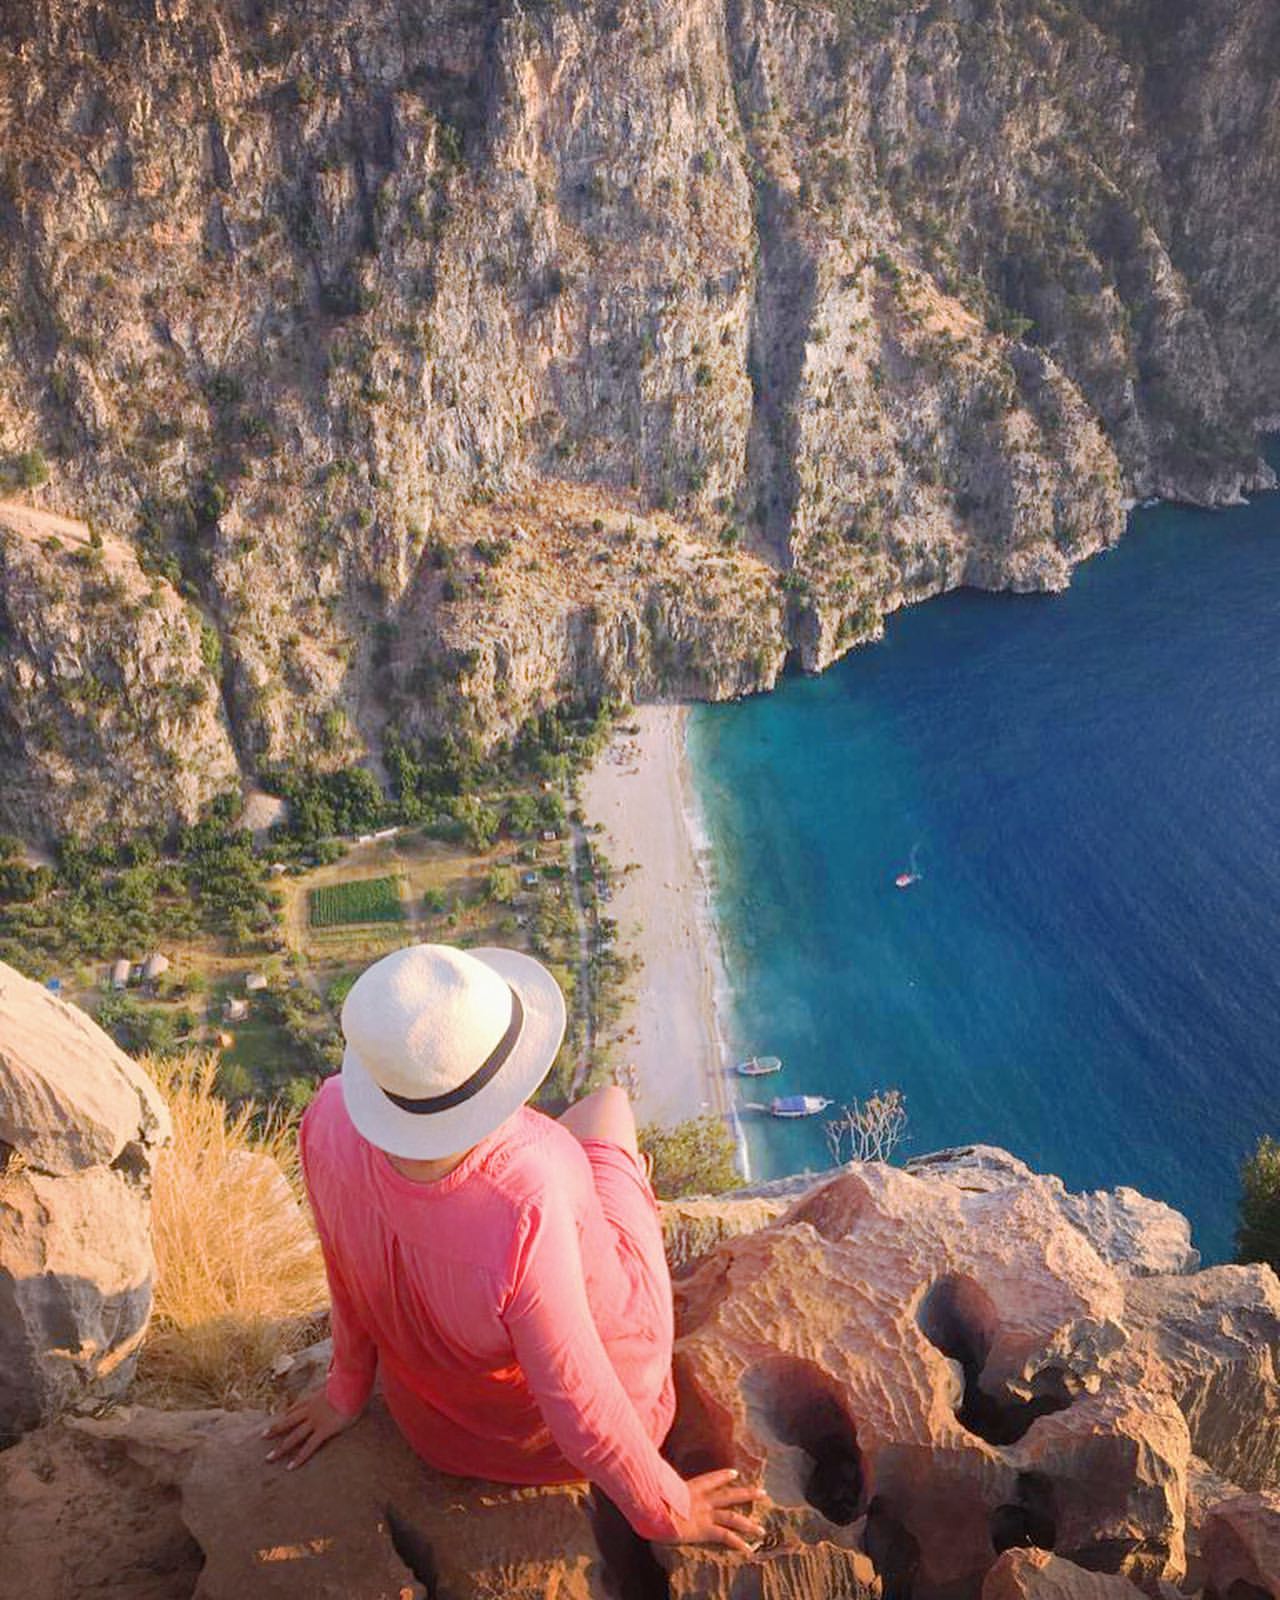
x: 758, y: 1066
x: 798, y: 1105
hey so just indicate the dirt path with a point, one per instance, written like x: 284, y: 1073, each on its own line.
x: 37, y: 526
x: 577, y: 857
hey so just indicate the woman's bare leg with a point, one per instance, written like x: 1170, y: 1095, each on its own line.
x: 603, y: 1114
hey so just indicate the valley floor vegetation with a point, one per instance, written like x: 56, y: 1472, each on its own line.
x: 261, y: 937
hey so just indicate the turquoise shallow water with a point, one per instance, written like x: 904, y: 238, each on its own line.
x: 1086, y: 972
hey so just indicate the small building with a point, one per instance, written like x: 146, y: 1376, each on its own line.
x: 235, y: 1010
x: 155, y: 966
x: 120, y: 973
x: 529, y: 880
x: 255, y: 983
x: 549, y: 836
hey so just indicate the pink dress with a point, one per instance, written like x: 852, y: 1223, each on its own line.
x: 518, y: 1310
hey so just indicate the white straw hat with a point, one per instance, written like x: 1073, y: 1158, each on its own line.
x: 442, y: 1045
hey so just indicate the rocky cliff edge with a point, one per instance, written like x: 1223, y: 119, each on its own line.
x: 955, y: 1381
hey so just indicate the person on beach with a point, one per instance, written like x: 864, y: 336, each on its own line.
x: 500, y: 1271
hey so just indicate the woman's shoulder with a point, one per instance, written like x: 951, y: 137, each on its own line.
x: 533, y: 1159
x: 325, y: 1121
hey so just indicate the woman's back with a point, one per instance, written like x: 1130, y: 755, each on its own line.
x: 502, y: 1303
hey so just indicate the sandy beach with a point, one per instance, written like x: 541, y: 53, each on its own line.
x: 638, y: 790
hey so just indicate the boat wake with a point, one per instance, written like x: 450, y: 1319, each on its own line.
x: 913, y: 874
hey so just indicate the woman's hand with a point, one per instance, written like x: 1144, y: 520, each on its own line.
x: 305, y: 1427
x: 711, y: 1519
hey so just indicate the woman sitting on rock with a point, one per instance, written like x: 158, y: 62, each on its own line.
x: 503, y: 1272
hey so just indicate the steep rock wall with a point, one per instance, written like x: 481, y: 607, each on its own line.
x: 823, y: 308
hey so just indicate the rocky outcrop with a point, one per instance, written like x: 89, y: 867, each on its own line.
x: 943, y: 1385
x: 1214, y: 1338
x: 975, y: 1408
x: 1240, y: 1546
x: 1037, y: 1575
x: 459, y: 359
x: 79, y: 1126
x: 691, y: 1229
x: 1136, y: 1236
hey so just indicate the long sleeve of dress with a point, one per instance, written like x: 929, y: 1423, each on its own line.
x: 354, y: 1363
x: 584, y: 1404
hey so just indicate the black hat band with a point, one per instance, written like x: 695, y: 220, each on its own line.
x: 484, y: 1073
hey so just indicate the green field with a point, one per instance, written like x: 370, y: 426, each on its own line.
x: 362, y: 900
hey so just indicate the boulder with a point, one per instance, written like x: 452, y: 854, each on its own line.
x: 79, y: 1517
x: 79, y: 1125
x: 186, y: 1504
x: 1240, y: 1547
x: 692, y: 1228
x: 941, y: 1361
x: 1135, y: 1235
x: 1205, y: 1491
x: 70, y: 1098
x: 1037, y: 1575
x: 1213, y: 1339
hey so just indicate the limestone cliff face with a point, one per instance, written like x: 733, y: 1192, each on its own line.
x: 108, y: 710
x: 453, y: 357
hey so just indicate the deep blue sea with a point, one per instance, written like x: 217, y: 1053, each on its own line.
x: 1087, y: 971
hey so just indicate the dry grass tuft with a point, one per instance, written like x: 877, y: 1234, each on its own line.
x: 239, y: 1275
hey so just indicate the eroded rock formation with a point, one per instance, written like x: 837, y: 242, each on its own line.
x: 1036, y: 1575
x: 79, y: 1125
x: 1240, y: 1545
x: 946, y: 1386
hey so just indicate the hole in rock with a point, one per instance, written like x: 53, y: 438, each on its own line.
x: 1030, y: 1521
x: 1242, y: 1589
x: 131, y: 1162
x: 958, y: 1317
x: 801, y: 1405
x: 894, y: 1552
x: 834, y: 1209
x: 1114, y: 1556
x: 631, y: 1569
x: 414, y: 1549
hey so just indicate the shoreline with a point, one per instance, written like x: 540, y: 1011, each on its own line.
x: 670, y: 1033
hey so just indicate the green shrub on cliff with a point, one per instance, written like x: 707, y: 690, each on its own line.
x: 1258, y: 1236
x: 27, y: 470
x: 694, y: 1157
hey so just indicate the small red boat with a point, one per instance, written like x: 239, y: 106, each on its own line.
x: 904, y: 880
